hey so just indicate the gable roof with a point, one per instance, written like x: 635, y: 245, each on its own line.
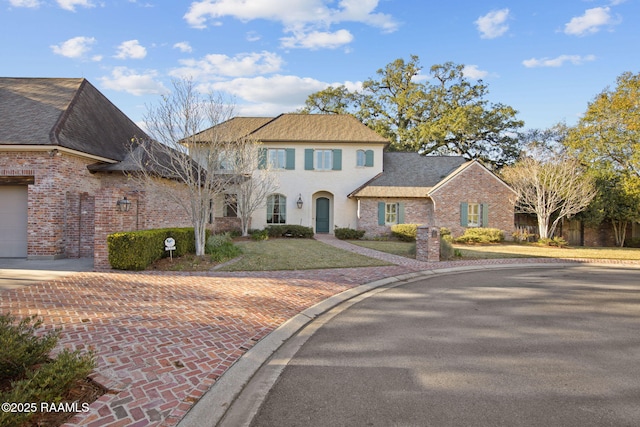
x: 409, y: 175
x: 462, y: 168
x: 316, y: 128
x: 64, y: 112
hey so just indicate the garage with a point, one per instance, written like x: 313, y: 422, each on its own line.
x: 13, y: 221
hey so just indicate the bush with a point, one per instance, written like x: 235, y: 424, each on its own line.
x: 446, y: 250
x: 136, y: 250
x: 445, y: 234
x: 20, y: 348
x: 37, y: 378
x: 634, y: 242
x: 348, y: 233
x: 555, y: 241
x: 221, y: 248
x: 259, y: 235
x: 405, y: 232
x: 481, y: 235
x: 290, y: 230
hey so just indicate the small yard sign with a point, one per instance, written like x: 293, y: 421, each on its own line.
x: 170, y: 245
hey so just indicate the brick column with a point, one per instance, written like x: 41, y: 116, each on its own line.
x: 428, y: 244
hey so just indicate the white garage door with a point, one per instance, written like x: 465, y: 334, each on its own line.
x: 13, y: 221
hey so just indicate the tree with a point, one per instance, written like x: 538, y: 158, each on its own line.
x: 607, y: 137
x: 551, y: 190
x: 184, y: 164
x: 446, y: 115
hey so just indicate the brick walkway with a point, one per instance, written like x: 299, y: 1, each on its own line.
x: 162, y: 339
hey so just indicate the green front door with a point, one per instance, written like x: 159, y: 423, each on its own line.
x: 322, y: 215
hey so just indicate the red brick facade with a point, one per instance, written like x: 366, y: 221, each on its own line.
x: 416, y: 211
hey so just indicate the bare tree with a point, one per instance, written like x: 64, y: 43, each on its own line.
x: 193, y: 160
x: 551, y: 190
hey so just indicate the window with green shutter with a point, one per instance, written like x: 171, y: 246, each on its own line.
x: 290, y: 158
x: 308, y: 159
x: 337, y: 160
x: 368, y: 162
x: 474, y: 214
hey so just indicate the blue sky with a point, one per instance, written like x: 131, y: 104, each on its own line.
x: 547, y: 59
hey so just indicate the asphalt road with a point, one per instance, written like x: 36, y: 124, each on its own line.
x: 525, y: 347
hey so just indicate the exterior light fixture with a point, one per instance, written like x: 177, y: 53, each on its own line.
x: 299, y: 202
x: 123, y: 205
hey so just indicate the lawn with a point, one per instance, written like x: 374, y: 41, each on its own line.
x: 509, y: 250
x: 295, y: 254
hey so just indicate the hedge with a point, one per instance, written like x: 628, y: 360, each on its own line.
x: 345, y: 233
x: 481, y: 235
x: 405, y: 232
x: 136, y: 250
x: 290, y: 230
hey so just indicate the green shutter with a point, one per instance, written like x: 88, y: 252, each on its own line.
x: 291, y: 158
x: 262, y: 158
x: 464, y: 214
x: 400, y: 213
x: 368, y: 158
x: 485, y: 215
x: 381, y: 206
x: 337, y: 160
x: 308, y: 159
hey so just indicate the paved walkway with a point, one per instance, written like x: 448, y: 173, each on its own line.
x: 162, y: 339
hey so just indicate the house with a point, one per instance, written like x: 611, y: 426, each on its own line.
x: 56, y: 197
x: 333, y: 172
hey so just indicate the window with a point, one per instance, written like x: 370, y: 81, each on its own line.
x: 230, y: 209
x: 324, y: 160
x: 474, y: 214
x: 364, y: 158
x: 277, y: 158
x: 276, y: 209
x: 391, y: 213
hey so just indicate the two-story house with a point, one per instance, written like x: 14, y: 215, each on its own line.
x: 333, y: 172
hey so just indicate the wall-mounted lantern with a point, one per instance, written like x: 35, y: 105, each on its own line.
x: 123, y: 205
x: 299, y: 202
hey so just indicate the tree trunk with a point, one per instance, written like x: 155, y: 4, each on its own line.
x: 620, y: 231
x: 543, y: 227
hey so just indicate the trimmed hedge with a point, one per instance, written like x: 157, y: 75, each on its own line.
x: 290, y: 230
x: 481, y: 235
x: 348, y: 233
x: 136, y: 250
x: 405, y: 232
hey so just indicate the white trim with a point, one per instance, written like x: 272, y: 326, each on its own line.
x: 45, y: 148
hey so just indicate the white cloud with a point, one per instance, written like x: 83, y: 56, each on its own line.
x: 252, y: 36
x: 558, y: 61
x: 278, y: 89
x: 131, y: 49
x: 25, y: 3
x: 308, y: 20
x: 590, y: 22
x: 472, y: 72
x: 215, y: 66
x: 184, y: 47
x: 123, y: 79
x: 71, y: 4
x: 318, y: 40
x: 492, y: 25
x: 76, y: 47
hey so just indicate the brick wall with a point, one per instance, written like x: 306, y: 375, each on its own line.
x: 416, y: 211
x: 474, y: 185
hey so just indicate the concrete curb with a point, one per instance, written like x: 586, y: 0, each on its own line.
x: 215, y: 408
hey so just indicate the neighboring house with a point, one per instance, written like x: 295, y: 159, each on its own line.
x: 333, y: 172
x: 52, y: 132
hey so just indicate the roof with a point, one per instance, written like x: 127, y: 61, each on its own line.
x: 409, y: 175
x: 65, y: 112
x: 316, y: 128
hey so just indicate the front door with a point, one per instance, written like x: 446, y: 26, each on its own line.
x: 322, y: 215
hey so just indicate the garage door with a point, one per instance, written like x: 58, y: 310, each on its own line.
x: 13, y: 221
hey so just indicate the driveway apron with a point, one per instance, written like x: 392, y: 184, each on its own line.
x: 520, y: 347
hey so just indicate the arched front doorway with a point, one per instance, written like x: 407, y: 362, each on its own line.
x: 322, y: 214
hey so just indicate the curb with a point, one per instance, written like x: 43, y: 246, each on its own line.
x: 215, y: 408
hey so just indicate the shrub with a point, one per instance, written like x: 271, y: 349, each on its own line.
x: 38, y: 378
x: 348, y: 233
x: 555, y: 241
x: 446, y: 250
x: 634, y: 242
x: 290, y: 230
x: 221, y: 248
x: 20, y: 348
x: 481, y: 235
x: 405, y: 232
x: 136, y: 250
x: 258, y: 235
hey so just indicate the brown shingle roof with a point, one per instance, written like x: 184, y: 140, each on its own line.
x: 70, y: 113
x: 315, y: 128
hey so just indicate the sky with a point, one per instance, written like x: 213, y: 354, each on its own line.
x: 546, y: 58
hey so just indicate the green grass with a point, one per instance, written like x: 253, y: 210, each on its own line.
x: 510, y: 250
x: 296, y: 254
x: 395, y: 247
